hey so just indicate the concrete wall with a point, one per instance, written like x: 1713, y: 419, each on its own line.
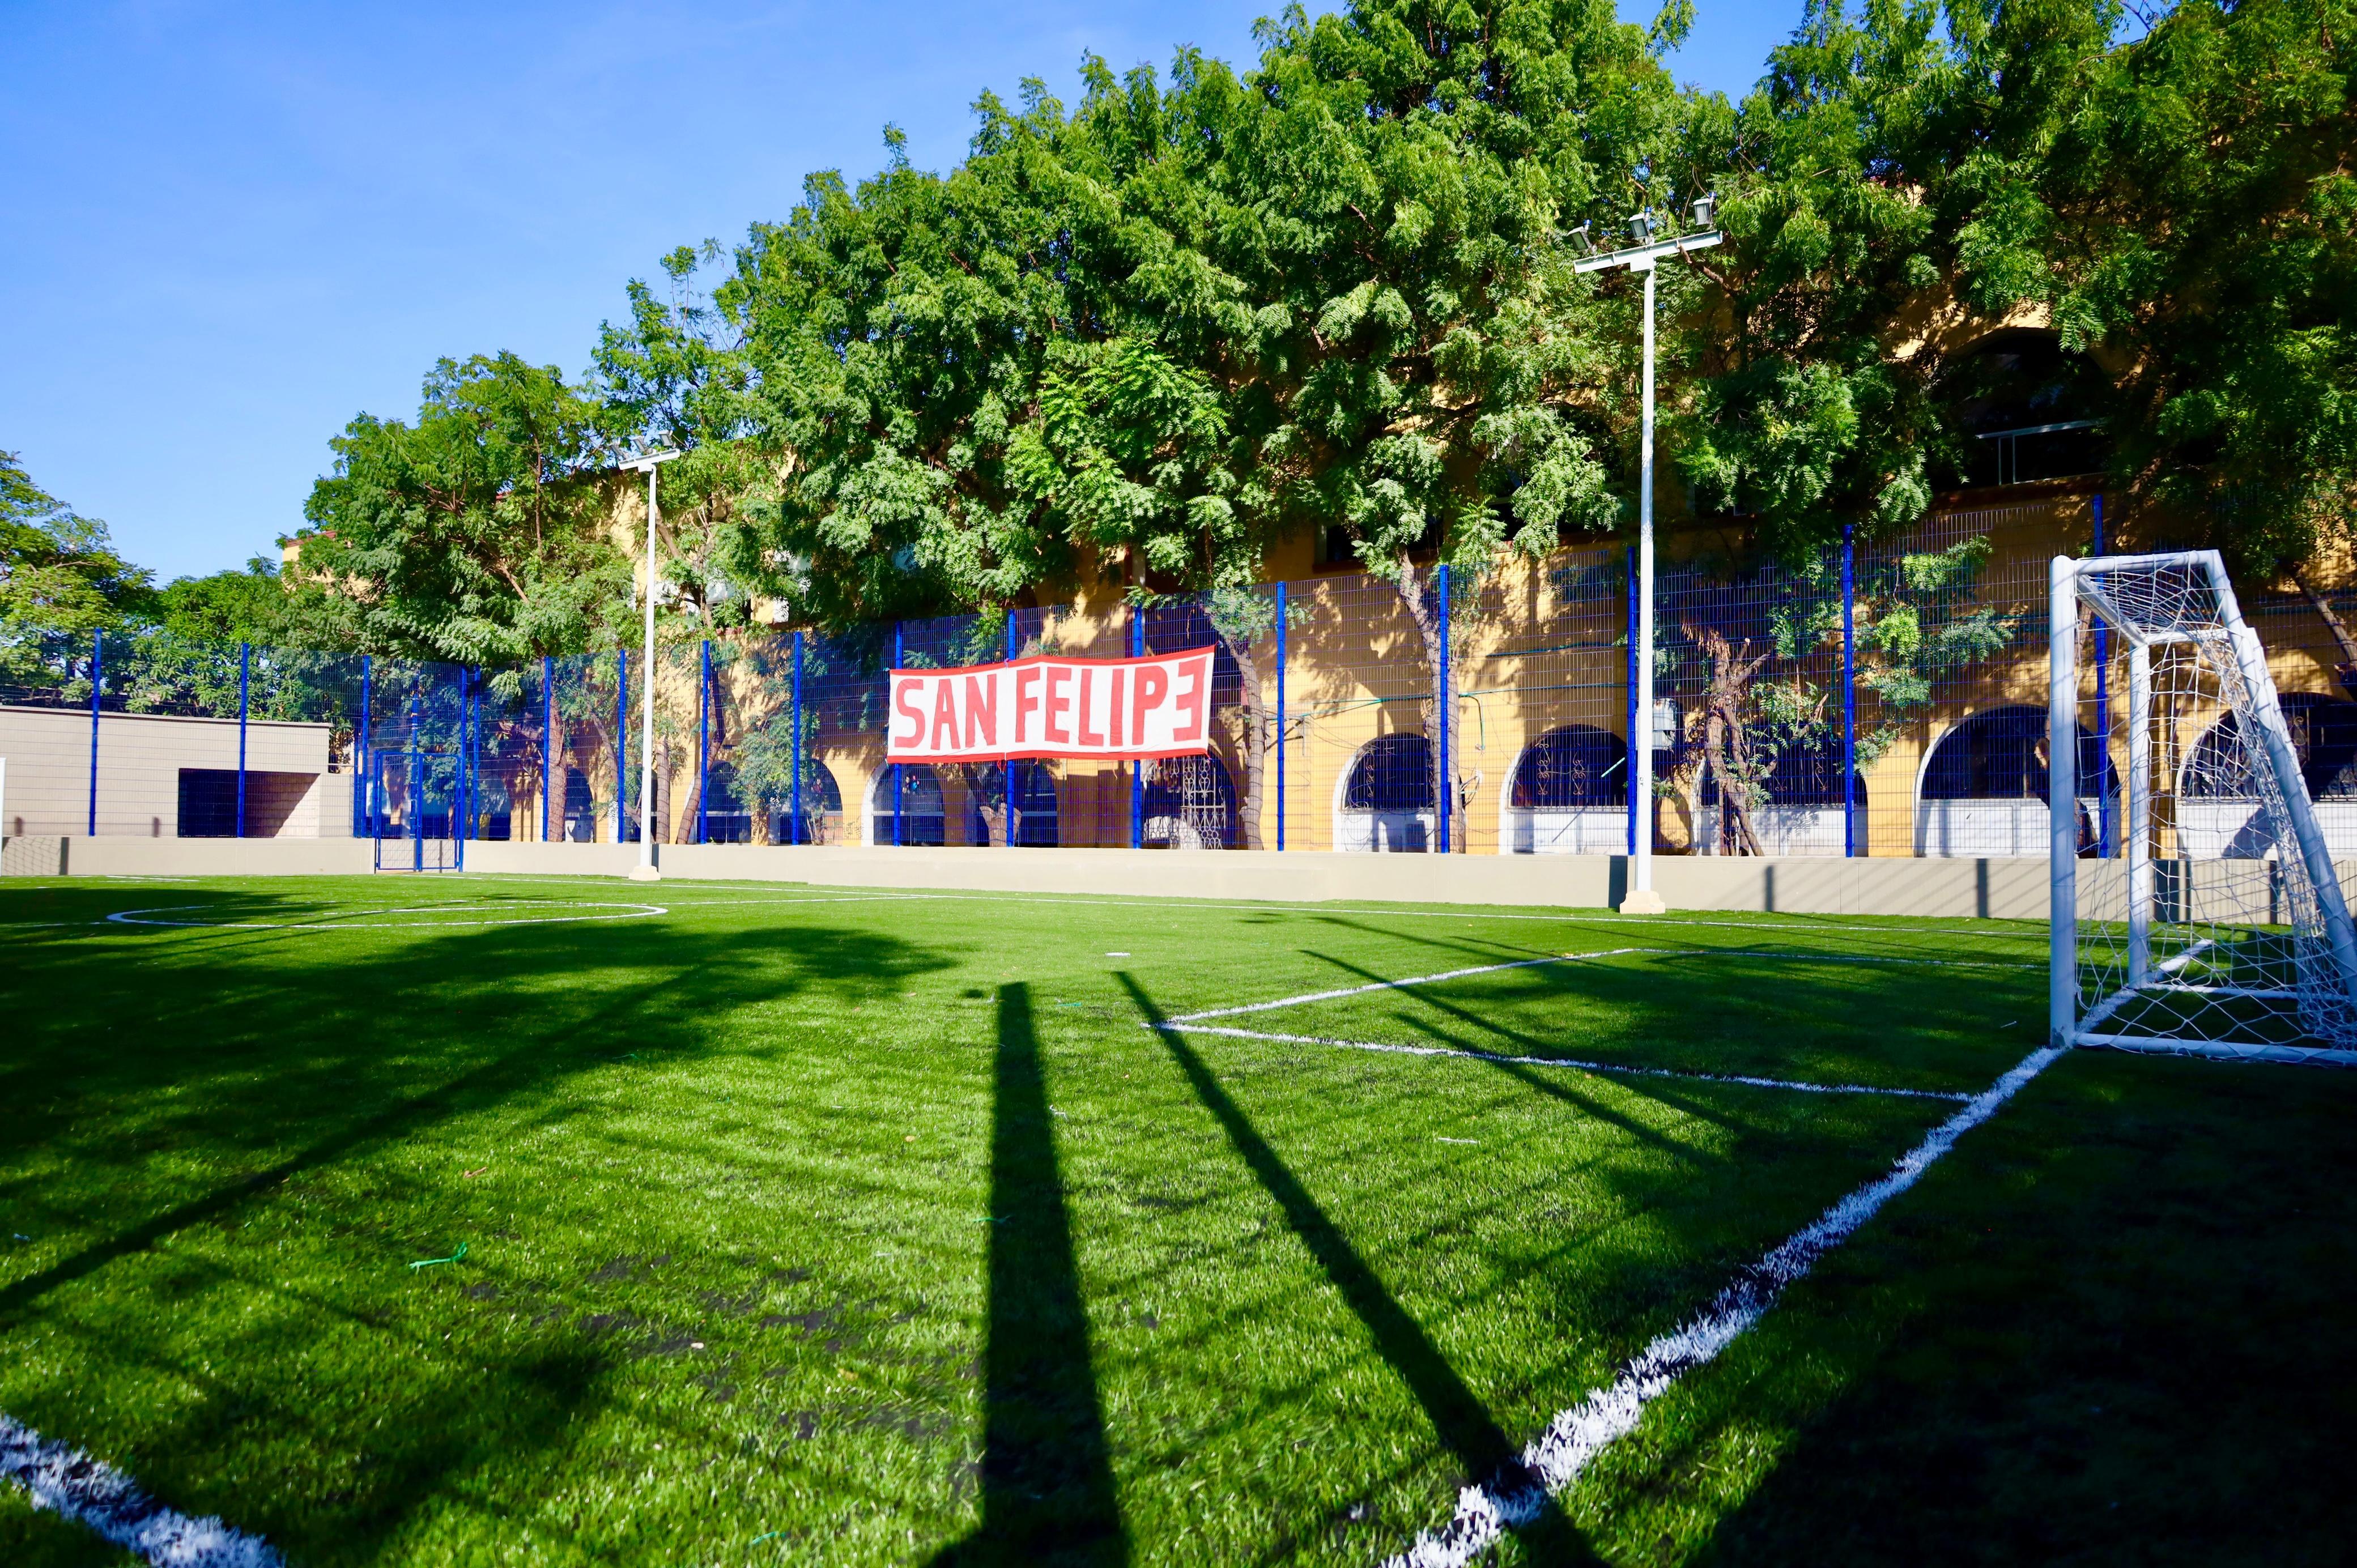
x: 1954, y: 889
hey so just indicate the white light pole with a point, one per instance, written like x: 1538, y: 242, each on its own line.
x: 645, y: 870
x: 1640, y: 257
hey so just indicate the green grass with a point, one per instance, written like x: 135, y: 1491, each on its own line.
x: 810, y: 1228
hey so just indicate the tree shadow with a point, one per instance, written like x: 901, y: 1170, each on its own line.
x: 268, y: 1082
x: 1048, y: 1492
x: 1458, y: 1417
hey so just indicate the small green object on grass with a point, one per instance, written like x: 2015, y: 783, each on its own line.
x: 429, y: 1263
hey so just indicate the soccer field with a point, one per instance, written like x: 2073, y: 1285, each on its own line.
x: 475, y: 1220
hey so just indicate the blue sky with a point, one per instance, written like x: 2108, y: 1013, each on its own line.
x: 233, y: 227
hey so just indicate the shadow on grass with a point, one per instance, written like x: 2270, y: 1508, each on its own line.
x: 1459, y: 1419
x: 277, y: 1065
x: 1047, y: 1481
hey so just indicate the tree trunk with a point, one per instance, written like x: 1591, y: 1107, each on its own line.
x: 1435, y: 708
x: 2347, y: 667
x: 1252, y: 745
x: 1727, y: 745
x: 981, y: 780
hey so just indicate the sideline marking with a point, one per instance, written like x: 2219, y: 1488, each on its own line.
x: 1176, y: 1028
x: 1584, y: 958
x: 1553, y: 1460
x: 366, y: 919
x: 109, y: 1502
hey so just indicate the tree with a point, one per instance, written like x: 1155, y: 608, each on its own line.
x: 2196, y: 216
x: 226, y: 607
x: 61, y: 580
x: 474, y: 534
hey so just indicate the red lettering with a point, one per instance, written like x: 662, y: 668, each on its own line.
x: 1081, y: 716
x: 1191, y: 703
x: 945, y: 714
x: 904, y: 705
x: 1120, y: 680
x: 1026, y: 701
x: 1152, y: 686
x: 981, y: 710
x: 1058, y: 674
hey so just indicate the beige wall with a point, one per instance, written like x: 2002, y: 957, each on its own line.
x: 290, y: 792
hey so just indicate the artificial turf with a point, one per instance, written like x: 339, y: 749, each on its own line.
x: 803, y: 1227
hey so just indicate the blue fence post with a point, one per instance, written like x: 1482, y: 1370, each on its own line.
x: 547, y: 739
x: 244, y: 680
x: 1629, y: 762
x: 1849, y: 692
x: 621, y: 746
x: 462, y: 805
x: 1280, y: 718
x: 797, y: 830
x: 1006, y: 769
x: 1441, y: 705
x: 416, y: 797
x: 363, y: 765
x: 1138, y: 765
x: 899, y: 817
x: 2103, y: 707
x: 703, y: 749
x: 97, y: 679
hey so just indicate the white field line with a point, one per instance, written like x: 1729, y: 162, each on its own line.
x: 1585, y: 958
x: 1575, y: 1065
x: 1467, y: 912
x: 364, y: 919
x: 1553, y: 1460
x: 102, y: 1496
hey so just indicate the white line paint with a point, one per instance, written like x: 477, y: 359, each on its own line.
x: 109, y: 1502
x: 363, y: 918
x: 1554, y: 1459
x: 1176, y: 1028
x: 1586, y: 958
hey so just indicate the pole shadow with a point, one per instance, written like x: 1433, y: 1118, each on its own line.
x: 1459, y: 1419
x: 1048, y: 1492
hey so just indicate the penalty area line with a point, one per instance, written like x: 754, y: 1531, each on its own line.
x: 98, y: 1495
x: 1553, y: 1460
x: 1448, y: 975
x: 1575, y: 1064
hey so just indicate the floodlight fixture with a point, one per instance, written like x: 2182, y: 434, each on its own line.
x: 1704, y: 207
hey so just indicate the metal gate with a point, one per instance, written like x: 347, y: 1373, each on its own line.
x: 417, y: 800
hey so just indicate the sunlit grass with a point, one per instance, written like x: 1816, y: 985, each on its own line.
x: 876, y: 1230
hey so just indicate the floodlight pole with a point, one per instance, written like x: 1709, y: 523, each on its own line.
x: 645, y: 870
x: 1641, y: 898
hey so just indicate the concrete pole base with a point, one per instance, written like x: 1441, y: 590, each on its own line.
x: 645, y: 873
x: 1644, y: 901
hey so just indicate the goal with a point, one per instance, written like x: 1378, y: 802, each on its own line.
x: 2196, y: 906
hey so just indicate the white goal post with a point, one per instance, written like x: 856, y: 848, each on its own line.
x: 2200, y: 911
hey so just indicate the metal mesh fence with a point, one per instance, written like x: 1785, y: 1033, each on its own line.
x: 1883, y: 701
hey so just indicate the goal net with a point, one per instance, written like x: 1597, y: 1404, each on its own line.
x: 2196, y: 909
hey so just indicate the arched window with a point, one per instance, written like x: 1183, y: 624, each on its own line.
x: 1803, y: 775
x: 1391, y: 773
x: 2001, y: 756
x: 2323, y: 736
x: 918, y: 799
x: 1983, y: 791
x: 1386, y: 802
x: 822, y: 817
x: 1191, y: 803
x: 1037, y: 821
x: 1570, y: 768
x: 725, y: 818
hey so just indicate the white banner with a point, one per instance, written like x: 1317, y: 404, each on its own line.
x: 1047, y: 706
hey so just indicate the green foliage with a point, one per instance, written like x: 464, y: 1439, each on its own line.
x: 250, y: 605
x: 61, y: 579
x: 473, y: 535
